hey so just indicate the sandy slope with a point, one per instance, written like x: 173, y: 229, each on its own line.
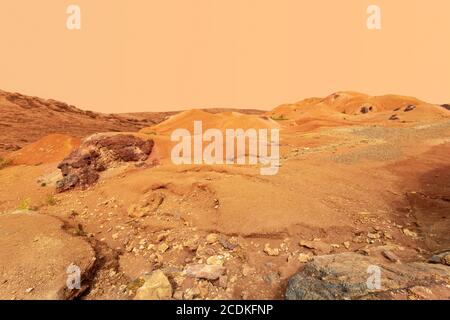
x: 221, y: 121
x: 50, y: 149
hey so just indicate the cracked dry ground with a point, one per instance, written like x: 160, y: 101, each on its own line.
x: 353, y: 189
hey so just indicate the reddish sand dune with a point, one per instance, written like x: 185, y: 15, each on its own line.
x: 347, y: 108
x: 185, y: 120
x: 221, y: 121
x: 50, y: 149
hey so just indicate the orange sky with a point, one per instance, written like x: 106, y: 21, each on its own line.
x: 154, y: 55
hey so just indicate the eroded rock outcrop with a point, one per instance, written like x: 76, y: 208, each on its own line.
x: 98, y: 153
x: 350, y: 275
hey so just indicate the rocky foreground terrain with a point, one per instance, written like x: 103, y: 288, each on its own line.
x: 363, y: 184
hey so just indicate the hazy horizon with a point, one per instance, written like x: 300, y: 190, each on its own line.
x: 186, y: 108
x: 150, y: 56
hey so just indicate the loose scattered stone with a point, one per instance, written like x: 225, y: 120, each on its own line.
x: 178, y: 295
x: 422, y: 292
x: 204, y: 271
x: 191, y: 293
x: 152, y: 201
x: 316, y: 245
x: 212, y: 238
x: 345, y: 276
x: 446, y: 260
x: 223, y: 282
x: 373, y: 236
x: 390, y: 256
x: 192, y: 244
x: 215, y: 260
x: 163, y: 247
x: 136, y: 211
x: 442, y: 258
x: 227, y: 244
x: 304, y: 258
x: 270, y: 251
x: 156, y: 287
x: 409, y: 233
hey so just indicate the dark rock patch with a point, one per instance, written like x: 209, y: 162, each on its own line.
x: 82, y: 167
x: 394, y: 117
x: 351, y: 275
x: 366, y: 109
x: 410, y: 108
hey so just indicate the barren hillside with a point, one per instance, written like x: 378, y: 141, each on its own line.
x: 25, y: 119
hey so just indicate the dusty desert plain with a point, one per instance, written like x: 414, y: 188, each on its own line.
x: 363, y: 183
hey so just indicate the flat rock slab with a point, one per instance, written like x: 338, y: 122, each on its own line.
x: 204, y: 271
x: 352, y: 276
x: 156, y: 287
x: 35, y: 254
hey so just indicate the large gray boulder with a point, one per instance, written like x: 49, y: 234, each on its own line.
x: 353, y: 276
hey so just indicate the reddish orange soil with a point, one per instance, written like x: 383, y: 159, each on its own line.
x: 348, y: 182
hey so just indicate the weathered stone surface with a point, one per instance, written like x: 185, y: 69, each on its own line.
x: 442, y: 257
x: 317, y: 246
x: 212, y: 238
x: 156, y: 287
x: 346, y: 276
x: 304, y: 258
x: 205, y: 271
x: 271, y: 251
x: 228, y: 244
x: 147, y: 205
x: 215, y: 260
x: 390, y: 256
x: 98, y: 153
x: 446, y: 260
x: 410, y: 108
